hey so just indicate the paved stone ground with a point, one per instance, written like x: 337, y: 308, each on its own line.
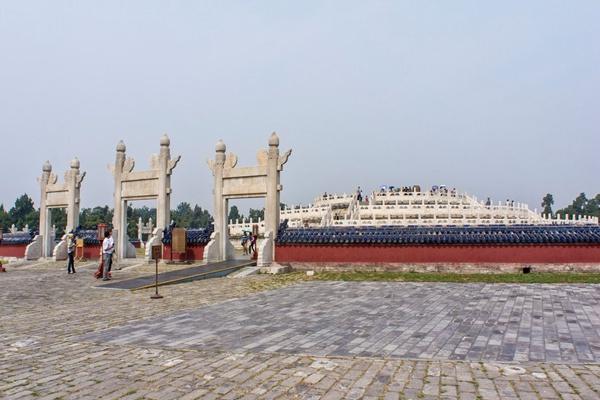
x: 390, y: 319
x: 45, y: 314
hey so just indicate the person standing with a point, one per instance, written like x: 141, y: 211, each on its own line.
x: 71, y: 253
x: 252, y: 248
x: 245, y: 242
x: 108, y: 247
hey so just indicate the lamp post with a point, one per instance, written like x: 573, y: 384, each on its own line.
x: 156, y: 255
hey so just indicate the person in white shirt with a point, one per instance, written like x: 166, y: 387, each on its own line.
x: 108, y: 247
x: 71, y: 253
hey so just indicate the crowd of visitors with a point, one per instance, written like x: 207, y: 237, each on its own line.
x: 435, y: 189
x: 508, y: 203
x: 441, y: 190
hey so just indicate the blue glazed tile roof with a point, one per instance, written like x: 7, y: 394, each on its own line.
x: 193, y: 236
x: 17, y: 238
x: 440, y: 235
x: 90, y: 236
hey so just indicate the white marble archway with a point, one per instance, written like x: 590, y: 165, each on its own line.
x: 151, y: 184
x: 56, y: 195
x: 232, y: 182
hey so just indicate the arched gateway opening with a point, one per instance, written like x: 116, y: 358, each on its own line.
x: 232, y: 182
x: 130, y: 185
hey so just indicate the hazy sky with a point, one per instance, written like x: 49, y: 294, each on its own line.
x: 498, y: 99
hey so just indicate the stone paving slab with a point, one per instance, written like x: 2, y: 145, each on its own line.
x: 44, y: 313
x: 476, y: 322
x: 95, y: 371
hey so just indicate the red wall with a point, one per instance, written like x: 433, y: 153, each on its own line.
x: 192, y: 253
x: 440, y: 253
x: 91, y: 251
x: 12, y: 250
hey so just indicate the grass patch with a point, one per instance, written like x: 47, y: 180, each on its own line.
x: 267, y: 282
x: 534, y: 277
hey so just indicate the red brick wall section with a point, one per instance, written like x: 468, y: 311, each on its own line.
x: 91, y: 251
x: 439, y: 254
x: 193, y: 253
x: 12, y: 250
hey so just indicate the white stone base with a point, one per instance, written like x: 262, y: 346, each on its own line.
x: 265, y: 251
x: 60, y: 251
x: 276, y: 269
x: 211, y: 250
x: 33, y: 251
x: 154, y: 240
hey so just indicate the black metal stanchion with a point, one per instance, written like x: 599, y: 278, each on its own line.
x: 156, y: 250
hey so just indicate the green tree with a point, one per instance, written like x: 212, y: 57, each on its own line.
x: 583, y: 206
x: 4, y: 219
x: 183, y: 215
x: 89, y: 218
x: 593, y: 207
x: 547, y: 203
x: 145, y: 213
x: 24, y: 213
x: 255, y: 214
x: 59, y: 220
x: 133, y: 216
x: 234, y: 214
x: 201, y: 218
x: 579, y: 204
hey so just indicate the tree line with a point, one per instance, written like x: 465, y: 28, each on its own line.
x: 580, y: 206
x: 24, y: 213
x: 254, y: 214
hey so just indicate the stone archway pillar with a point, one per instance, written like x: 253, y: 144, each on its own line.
x: 163, y: 206
x: 45, y: 213
x: 272, y: 202
x: 120, y: 240
x: 220, y: 204
x: 74, y: 179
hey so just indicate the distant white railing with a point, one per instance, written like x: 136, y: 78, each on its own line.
x: 13, y: 229
x: 465, y: 220
x: 237, y: 228
x: 307, y: 212
x: 414, y: 208
x: 333, y: 199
